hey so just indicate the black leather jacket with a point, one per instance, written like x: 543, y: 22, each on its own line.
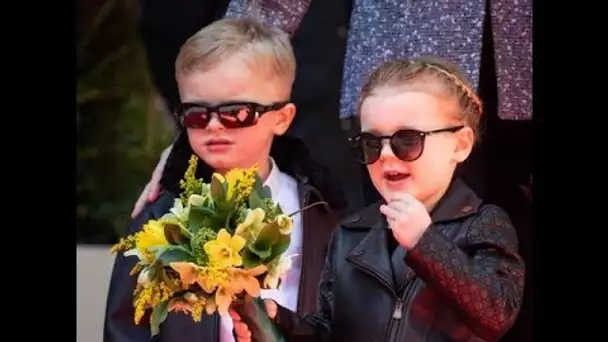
x: 463, y: 281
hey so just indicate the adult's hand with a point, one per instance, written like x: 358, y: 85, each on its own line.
x: 153, y: 188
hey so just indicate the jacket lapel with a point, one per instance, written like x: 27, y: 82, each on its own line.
x: 371, y: 256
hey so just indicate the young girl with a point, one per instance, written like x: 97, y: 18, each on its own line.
x: 432, y: 261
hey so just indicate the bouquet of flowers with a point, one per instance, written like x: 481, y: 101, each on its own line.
x: 220, y: 242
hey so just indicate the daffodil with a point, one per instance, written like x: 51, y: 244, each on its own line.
x: 285, y: 224
x: 276, y: 270
x: 253, y: 224
x: 179, y: 211
x: 224, y: 250
x: 152, y: 235
x: 196, y: 200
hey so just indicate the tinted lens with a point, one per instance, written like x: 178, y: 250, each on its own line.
x: 230, y: 116
x: 236, y: 116
x: 195, y: 118
x: 369, y: 149
x: 407, y: 145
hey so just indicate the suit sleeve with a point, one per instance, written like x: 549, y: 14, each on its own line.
x: 483, y: 280
x: 315, y: 327
x: 118, y: 323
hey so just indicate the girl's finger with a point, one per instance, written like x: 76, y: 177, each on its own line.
x: 389, y: 212
x: 400, y: 207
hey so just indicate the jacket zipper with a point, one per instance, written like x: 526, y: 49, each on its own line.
x: 395, y: 323
x: 398, y: 308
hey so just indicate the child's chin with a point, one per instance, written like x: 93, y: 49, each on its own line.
x: 218, y: 162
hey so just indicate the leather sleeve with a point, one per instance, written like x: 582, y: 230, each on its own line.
x: 315, y: 327
x: 118, y: 322
x: 483, y: 279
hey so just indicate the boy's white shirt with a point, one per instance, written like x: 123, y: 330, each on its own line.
x: 284, y: 190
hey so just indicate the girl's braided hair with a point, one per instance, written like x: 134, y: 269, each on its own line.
x: 400, y: 72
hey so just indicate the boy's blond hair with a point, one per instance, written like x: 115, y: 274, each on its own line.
x: 265, y: 49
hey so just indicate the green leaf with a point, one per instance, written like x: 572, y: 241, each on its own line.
x: 159, y: 315
x: 174, y: 254
x: 265, y: 192
x: 280, y: 246
x: 268, y: 236
x: 197, y: 218
x: 229, y: 218
x: 250, y: 259
x: 218, y: 189
x: 261, y: 253
x: 258, y: 183
x: 175, y: 234
x: 255, y: 201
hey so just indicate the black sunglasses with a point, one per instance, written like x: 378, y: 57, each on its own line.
x: 230, y: 115
x: 407, y: 144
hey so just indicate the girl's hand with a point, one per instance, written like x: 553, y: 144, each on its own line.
x: 408, y: 218
x: 240, y: 328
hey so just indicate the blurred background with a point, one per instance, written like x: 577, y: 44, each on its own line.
x: 123, y: 126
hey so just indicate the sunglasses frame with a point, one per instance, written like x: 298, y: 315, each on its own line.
x: 355, y: 141
x: 256, y: 109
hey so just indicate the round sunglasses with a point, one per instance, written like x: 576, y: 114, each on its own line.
x: 406, y: 144
x: 230, y: 115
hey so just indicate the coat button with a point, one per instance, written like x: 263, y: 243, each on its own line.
x: 467, y: 209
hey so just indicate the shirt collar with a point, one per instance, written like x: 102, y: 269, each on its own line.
x: 273, y: 179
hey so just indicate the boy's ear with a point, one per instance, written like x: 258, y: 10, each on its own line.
x: 465, y: 139
x: 284, y: 118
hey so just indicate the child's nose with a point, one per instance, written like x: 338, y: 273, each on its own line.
x: 214, y: 123
x: 386, y: 150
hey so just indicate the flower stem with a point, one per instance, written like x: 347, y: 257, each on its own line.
x: 307, y: 207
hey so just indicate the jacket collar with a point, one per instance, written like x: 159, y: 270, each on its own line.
x: 371, y: 254
x: 458, y: 202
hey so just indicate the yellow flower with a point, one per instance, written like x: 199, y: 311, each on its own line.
x: 149, y: 296
x: 179, y: 211
x: 240, y: 182
x: 240, y: 280
x: 224, y: 250
x: 253, y: 224
x: 207, y: 277
x: 285, y: 224
x: 276, y: 270
x: 152, y: 235
x: 196, y: 200
x: 224, y: 296
x: 245, y: 279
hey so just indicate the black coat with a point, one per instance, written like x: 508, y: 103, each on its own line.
x: 315, y: 183
x: 463, y: 281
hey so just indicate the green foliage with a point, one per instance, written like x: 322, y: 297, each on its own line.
x: 199, y: 239
x: 121, y: 130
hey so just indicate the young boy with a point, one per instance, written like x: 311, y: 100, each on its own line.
x: 234, y: 78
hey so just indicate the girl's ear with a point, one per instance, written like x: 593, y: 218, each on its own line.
x: 284, y: 118
x: 465, y: 139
